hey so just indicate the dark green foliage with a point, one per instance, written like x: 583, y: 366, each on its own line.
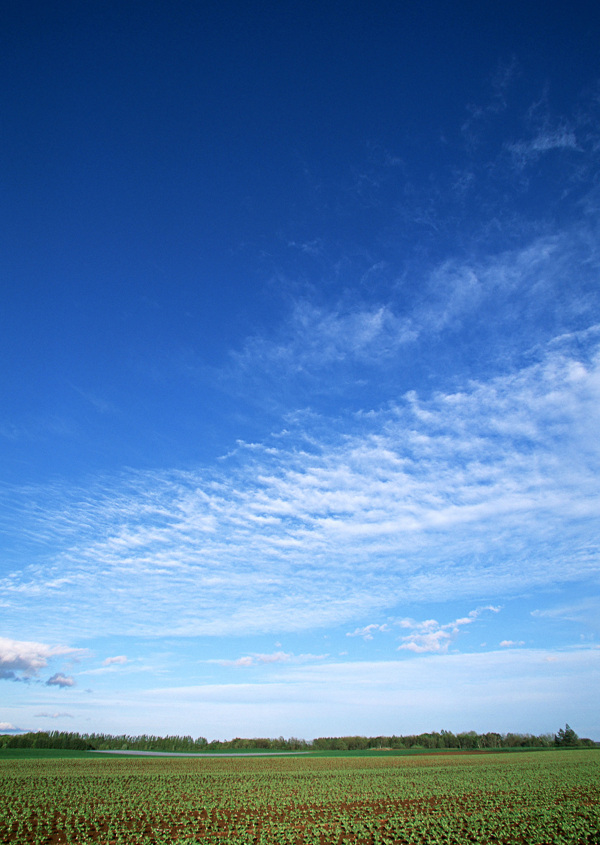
x: 466, y: 741
x: 566, y: 738
x: 41, y: 739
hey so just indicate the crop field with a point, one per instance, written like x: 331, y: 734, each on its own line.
x: 551, y: 797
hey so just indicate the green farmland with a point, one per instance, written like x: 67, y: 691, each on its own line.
x: 524, y: 799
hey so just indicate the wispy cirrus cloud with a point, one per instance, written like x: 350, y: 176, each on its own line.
x: 54, y: 716
x: 372, y: 351
x: 585, y: 611
x: 368, y: 630
x: 491, y: 488
x: 268, y: 659
x: 562, y: 138
x: 319, y: 338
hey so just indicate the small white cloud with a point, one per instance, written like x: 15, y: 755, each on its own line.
x: 119, y: 660
x: 511, y: 643
x: 276, y: 657
x: 60, y: 680
x: 432, y: 641
x: 367, y: 632
x: 246, y: 660
x: 53, y: 715
x: 7, y: 726
x: 431, y: 637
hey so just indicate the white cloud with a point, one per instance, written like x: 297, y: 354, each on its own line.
x: 488, y: 489
x: 276, y: 657
x: 119, y: 660
x: 21, y: 660
x: 562, y: 138
x: 8, y: 726
x: 511, y: 643
x: 430, y: 636
x: 359, y: 351
x: 53, y: 715
x: 247, y: 660
x: 585, y: 610
x: 60, y: 680
x: 367, y: 632
x: 315, y: 339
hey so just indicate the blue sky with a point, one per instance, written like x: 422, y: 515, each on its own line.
x: 299, y: 404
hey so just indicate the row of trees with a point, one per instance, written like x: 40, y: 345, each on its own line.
x: 565, y: 738
x: 469, y: 740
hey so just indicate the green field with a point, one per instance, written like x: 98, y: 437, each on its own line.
x: 524, y: 799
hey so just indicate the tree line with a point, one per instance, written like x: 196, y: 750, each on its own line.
x: 470, y: 740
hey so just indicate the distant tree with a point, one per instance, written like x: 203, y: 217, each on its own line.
x: 468, y: 740
x: 566, y: 738
x: 449, y: 739
x: 491, y: 740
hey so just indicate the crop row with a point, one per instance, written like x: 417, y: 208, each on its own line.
x: 524, y: 799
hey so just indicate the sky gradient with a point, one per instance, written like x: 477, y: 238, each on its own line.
x: 300, y: 395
